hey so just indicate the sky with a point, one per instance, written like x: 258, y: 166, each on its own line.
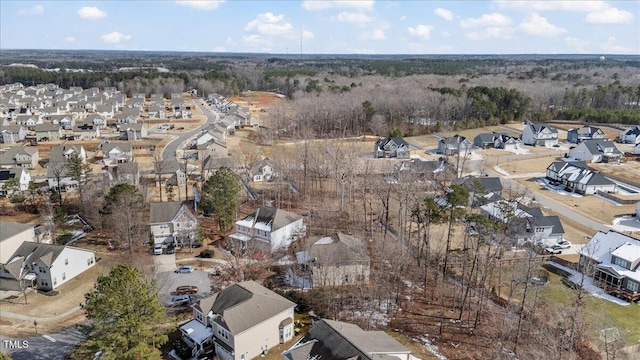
x: 326, y: 27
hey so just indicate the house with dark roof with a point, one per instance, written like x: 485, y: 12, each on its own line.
x: 337, y: 340
x: 480, y: 187
x: 456, y: 144
x: 577, y: 177
x: 243, y: 321
x: 613, y: 260
x: 630, y: 135
x: 578, y: 135
x: 496, y: 140
x: 539, y: 135
x: 392, y: 147
x: 268, y: 229
x: 12, y: 235
x: 172, y: 222
x: 333, y: 260
x: 596, y: 151
x: 543, y: 230
x: 262, y: 170
x: 21, y: 176
x: 19, y: 156
x: 44, y: 266
x: 423, y: 171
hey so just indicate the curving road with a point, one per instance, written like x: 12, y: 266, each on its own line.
x: 46, y: 347
x: 169, y: 150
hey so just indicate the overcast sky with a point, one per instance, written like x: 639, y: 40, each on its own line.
x: 326, y: 27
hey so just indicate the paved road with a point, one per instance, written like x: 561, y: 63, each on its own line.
x: 170, y: 149
x: 49, y: 347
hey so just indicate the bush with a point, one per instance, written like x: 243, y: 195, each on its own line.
x: 206, y: 254
x: 17, y: 199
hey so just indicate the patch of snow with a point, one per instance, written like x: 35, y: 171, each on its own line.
x: 588, y: 285
x: 501, y: 170
x: 432, y: 348
x: 518, y: 150
x: 324, y: 241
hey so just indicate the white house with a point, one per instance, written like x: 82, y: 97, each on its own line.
x: 578, y: 135
x: 20, y: 156
x: 243, y: 322
x: 631, y: 135
x: 263, y: 170
x: 268, y: 229
x: 394, y: 147
x: 173, y: 223
x: 117, y: 153
x: 596, y: 151
x: 577, y: 177
x: 453, y: 145
x: 45, y: 266
x: 20, y: 174
x: 12, y: 235
x: 539, y: 135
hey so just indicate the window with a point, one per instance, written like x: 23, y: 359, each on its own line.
x: 42, y: 269
x: 55, y: 281
x: 64, y: 276
x: 66, y: 261
x: 620, y: 262
x: 633, y: 286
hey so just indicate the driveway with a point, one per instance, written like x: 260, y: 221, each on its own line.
x: 164, y: 262
x: 169, y: 151
x: 168, y: 281
x: 46, y: 347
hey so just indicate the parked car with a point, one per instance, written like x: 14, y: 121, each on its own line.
x: 555, y: 249
x: 182, y: 299
x: 157, y: 249
x: 171, y: 249
x: 186, y: 289
x: 184, y: 269
x: 564, y: 244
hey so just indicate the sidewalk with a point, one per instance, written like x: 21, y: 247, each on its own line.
x: 10, y: 315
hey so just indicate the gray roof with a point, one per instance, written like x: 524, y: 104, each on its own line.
x: 337, y: 340
x: 246, y: 304
x: 9, y: 229
x: 548, y: 221
x: 585, y: 130
x: 214, y: 163
x: 124, y: 147
x: 539, y: 127
x: 162, y: 212
x: 57, y: 152
x: 597, y: 146
x: 398, y: 141
x: 11, y: 128
x: 276, y: 218
x: 488, y: 184
x: 8, y: 156
x: 46, y: 127
x: 47, y: 253
x: 337, y: 249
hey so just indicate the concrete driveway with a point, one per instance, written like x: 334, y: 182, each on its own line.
x: 46, y: 347
x: 168, y: 281
x: 164, y: 262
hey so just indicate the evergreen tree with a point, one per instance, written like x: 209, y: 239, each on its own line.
x: 220, y: 196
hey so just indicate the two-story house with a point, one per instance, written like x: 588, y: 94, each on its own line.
x: 12, y: 134
x: 21, y: 182
x: 263, y: 170
x: 133, y: 132
x: 117, y: 153
x: 12, y: 235
x: 86, y: 131
x: 173, y: 222
x: 455, y: 145
x: 48, y: 132
x: 613, y: 259
x: 630, y: 135
x: 97, y: 120
x: 268, y: 229
x: 496, y: 141
x: 44, y: 266
x: 243, y: 322
x: 578, y: 135
x: 334, y: 260
x: 577, y: 177
x: 337, y: 340
x: 596, y: 151
x: 19, y: 156
x: 393, y: 147
x: 539, y: 135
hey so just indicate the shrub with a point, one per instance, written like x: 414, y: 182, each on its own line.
x: 206, y: 254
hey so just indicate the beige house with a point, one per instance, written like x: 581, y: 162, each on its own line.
x: 20, y: 156
x: 173, y: 223
x: 12, y: 235
x: 242, y: 321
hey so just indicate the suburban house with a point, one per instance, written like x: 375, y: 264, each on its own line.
x: 578, y: 135
x: 97, y: 120
x: 48, y: 132
x: 596, y: 151
x: 268, y: 229
x: 12, y: 134
x: 539, y: 135
x: 243, y: 322
x: 211, y: 164
x: 337, y: 340
x: 29, y: 121
x: 44, y: 266
x: 496, y: 141
x: 171, y: 172
x: 86, y: 131
x: 479, y: 188
x: 173, y: 223
x: 62, y: 153
x: 21, y: 176
x: 105, y: 110
x: 454, y: 145
x: 127, y: 173
x: 263, y: 170
x: 12, y: 235
x: 334, y: 260
x: 58, y: 176
x: 577, y: 177
x: 126, y: 119
x: 117, y: 153
x: 19, y: 156
x: 543, y: 230
x: 214, y: 147
x: 133, y: 132
x: 613, y: 260
x: 393, y: 147
x: 631, y: 135
x: 156, y: 111
x: 423, y: 171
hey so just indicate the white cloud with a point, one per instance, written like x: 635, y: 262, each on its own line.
x: 609, y: 16
x: 69, y: 39
x: 378, y: 34
x: 537, y: 25
x: 201, y: 4
x: 422, y: 31
x: 115, y: 37
x: 307, y: 35
x: 446, y: 34
x: 269, y: 24
x: 491, y: 33
x: 34, y: 10
x: 557, y: 5
x: 317, y: 5
x: 444, y: 13
x: 493, y: 19
x: 354, y: 18
x: 611, y: 47
x: 91, y: 13
x: 576, y: 44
